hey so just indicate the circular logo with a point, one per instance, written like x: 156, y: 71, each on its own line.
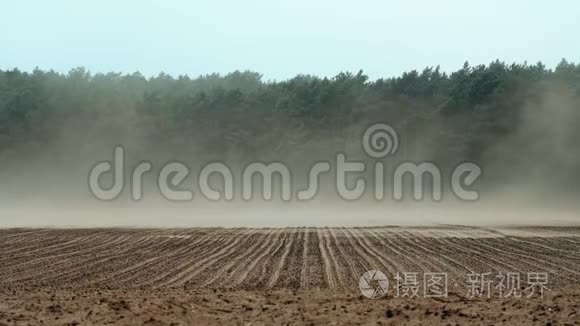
x: 373, y: 284
x: 380, y: 140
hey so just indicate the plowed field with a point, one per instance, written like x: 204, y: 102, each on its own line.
x: 294, y: 265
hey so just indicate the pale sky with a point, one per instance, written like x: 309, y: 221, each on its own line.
x: 283, y: 38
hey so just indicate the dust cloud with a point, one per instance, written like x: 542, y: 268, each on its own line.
x: 529, y: 178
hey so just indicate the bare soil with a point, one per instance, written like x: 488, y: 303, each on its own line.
x: 281, y: 275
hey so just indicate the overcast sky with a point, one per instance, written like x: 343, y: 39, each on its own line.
x: 283, y: 38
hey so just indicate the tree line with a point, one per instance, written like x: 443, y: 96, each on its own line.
x: 496, y: 112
